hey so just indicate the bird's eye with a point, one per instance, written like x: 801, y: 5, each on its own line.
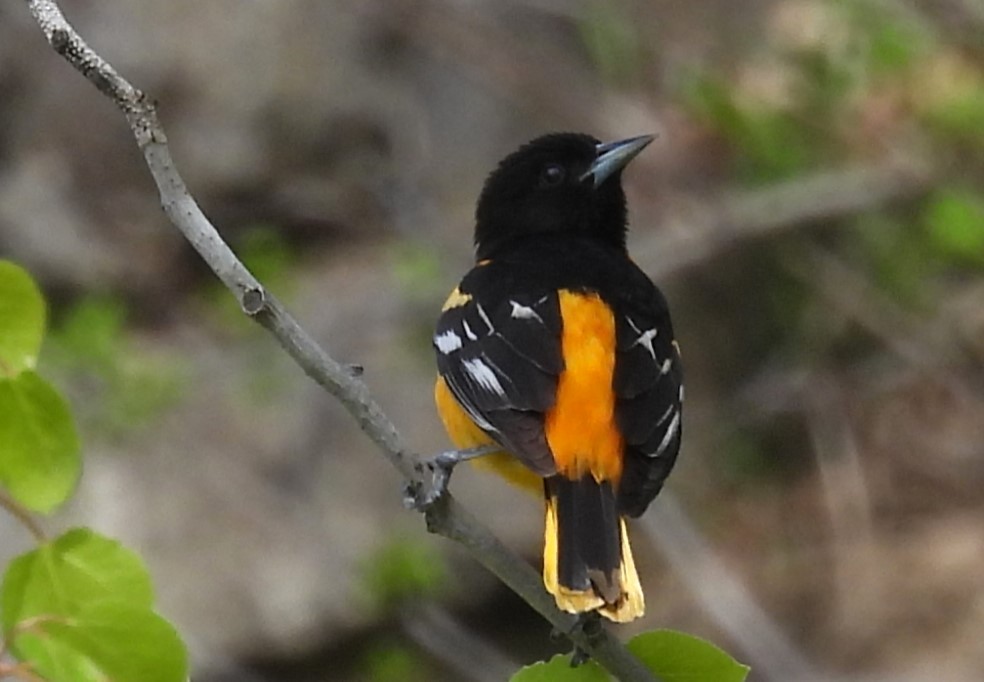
x: 552, y: 175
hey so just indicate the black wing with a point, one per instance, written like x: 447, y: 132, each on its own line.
x: 648, y: 386
x: 501, y: 360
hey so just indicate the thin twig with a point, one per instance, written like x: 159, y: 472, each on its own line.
x: 20, y: 671
x: 455, y: 645
x: 446, y: 517
x: 23, y: 515
x: 860, y: 582
x: 723, y: 595
x: 928, y: 346
x: 719, y: 225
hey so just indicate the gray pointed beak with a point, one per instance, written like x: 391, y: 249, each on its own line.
x: 614, y: 156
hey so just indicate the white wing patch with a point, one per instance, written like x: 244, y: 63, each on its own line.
x: 448, y: 342
x: 483, y: 375
x: 666, y: 415
x: 645, y: 338
x: 485, y: 318
x: 671, y: 431
x: 524, y: 312
x: 667, y: 364
x: 480, y: 421
x: 468, y: 331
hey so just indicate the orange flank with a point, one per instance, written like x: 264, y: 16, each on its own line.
x: 581, y: 428
x: 465, y: 434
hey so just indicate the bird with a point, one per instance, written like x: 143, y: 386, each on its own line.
x: 557, y: 353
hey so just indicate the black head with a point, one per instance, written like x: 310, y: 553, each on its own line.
x: 565, y: 182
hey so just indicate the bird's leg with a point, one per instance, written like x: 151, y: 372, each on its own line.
x: 442, y: 466
x: 449, y: 459
x: 579, y: 657
x: 420, y: 495
x: 589, y: 623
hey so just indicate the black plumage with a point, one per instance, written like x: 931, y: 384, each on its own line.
x: 551, y: 219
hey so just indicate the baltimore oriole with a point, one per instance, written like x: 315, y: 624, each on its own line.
x: 557, y: 348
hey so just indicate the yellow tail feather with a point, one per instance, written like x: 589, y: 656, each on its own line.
x: 630, y: 604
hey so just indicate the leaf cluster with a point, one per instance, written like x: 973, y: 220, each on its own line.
x: 79, y: 607
x: 671, y: 656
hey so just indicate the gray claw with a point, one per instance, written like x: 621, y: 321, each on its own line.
x: 421, y: 495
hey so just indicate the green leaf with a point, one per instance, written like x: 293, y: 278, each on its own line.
x: 393, y: 661
x: 678, y: 657
x: 710, y: 100
x: 611, y: 37
x: 417, y: 270
x: 77, y: 568
x: 769, y: 145
x: 897, y: 254
x: 126, y: 387
x: 895, y: 46
x: 402, y: 569
x: 89, y: 599
x: 558, y: 669
x: 39, y: 448
x: 955, y: 220
x: 90, y: 334
x: 268, y: 255
x: 22, y: 314
x: 671, y: 656
x: 963, y: 116
x: 109, y: 640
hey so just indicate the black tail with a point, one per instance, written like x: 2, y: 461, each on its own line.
x: 589, y: 542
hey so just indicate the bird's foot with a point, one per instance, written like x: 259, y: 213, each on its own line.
x: 579, y: 657
x: 589, y: 625
x: 436, y: 475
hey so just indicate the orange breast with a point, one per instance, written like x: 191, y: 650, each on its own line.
x: 581, y: 429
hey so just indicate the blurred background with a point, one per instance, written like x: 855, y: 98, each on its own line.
x: 813, y: 209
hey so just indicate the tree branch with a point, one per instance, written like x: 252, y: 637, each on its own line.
x: 708, y: 231
x: 445, y: 517
x: 16, y: 510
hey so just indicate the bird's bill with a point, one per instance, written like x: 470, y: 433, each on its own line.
x: 614, y: 156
